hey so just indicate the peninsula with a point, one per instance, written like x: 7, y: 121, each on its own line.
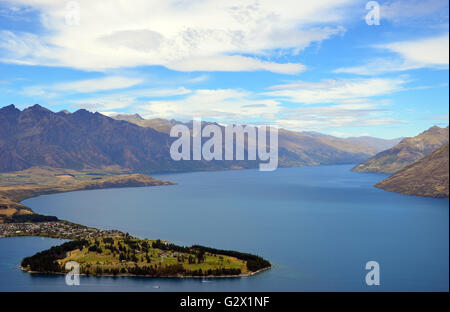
x: 122, y: 254
x: 105, y: 252
x: 20, y: 185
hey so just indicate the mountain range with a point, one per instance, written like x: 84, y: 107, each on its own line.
x: 296, y: 148
x: 37, y: 136
x: 405, y: 153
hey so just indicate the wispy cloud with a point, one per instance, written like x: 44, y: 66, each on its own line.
x: 129, y: 100
x: 425, y: 52
x: 422, y: 53
x: 220, y: 104
x: 332, y: 91
x: 335, y: 116
x: 83, y: 86
x: 235, y: 63
x: 436, y: 118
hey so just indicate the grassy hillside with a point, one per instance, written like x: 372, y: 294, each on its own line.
x: 426, y: 177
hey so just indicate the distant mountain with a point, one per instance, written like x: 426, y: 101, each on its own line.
x: 313, y: 150
x: 129, y: 117
x: 408, y: 151
x: 375, y: 144
x: 159, y: 124
x: 37, y: 136
x: 426, y: 177
x: 295, y: 148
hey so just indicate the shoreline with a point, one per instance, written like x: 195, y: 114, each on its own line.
x: 148, y: 276
x: 46, y: 181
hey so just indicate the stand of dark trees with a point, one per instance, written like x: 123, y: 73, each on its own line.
x: 160, y: 271
x: 46, y: 261
x: 215, y: 272
x: 34, y: 218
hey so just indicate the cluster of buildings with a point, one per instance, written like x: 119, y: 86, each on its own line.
x: 59, y: 229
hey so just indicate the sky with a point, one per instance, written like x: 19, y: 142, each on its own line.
x: 340, y: 67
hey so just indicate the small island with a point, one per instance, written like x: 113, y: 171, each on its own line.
x: 124, y: 255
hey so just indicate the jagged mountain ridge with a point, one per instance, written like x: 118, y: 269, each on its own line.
x: 37, y: 136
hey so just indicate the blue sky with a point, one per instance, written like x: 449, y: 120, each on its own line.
x: 299, y: 65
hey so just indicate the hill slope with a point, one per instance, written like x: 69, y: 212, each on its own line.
x: 408, y: 151
x: 426, y: 177
x: 313, y: 150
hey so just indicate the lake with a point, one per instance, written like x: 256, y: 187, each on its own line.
x: 318, y: 226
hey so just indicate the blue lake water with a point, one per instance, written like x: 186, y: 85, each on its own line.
x: 317, y: 225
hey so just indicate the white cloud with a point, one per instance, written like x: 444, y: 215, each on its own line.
x: 176, y: 34
x: 221, y: 104
x: 337, y: 103
x: 235, y: 63
x: 429, y: 52
x: 425, y: 52
x: 332, y: 91
x: 83, y: 86
x: 198, y: 79
x: 334, y: 116
x: 131, y: 99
